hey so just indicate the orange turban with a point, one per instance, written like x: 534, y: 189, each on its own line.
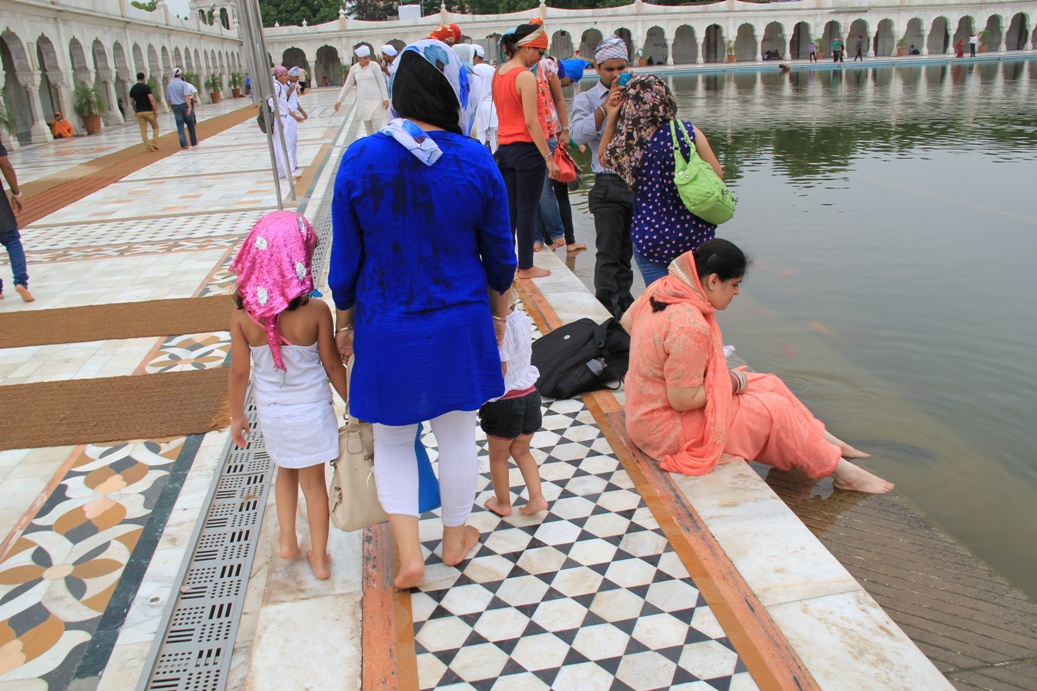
x: 458, y: 37
x: 537, y: 39
x: 442, y: 33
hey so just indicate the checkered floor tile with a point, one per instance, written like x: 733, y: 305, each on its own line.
x: 587, y: 595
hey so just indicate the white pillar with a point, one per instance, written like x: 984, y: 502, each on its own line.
x: 112, y: 115
x: 39, y: 132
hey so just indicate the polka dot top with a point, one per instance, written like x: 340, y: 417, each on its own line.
x: 662, y: 228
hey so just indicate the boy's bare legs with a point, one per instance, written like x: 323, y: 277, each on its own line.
x: 500, y: 451
x: 315, y: 489
x: 530, y: 475
x: 286, y: 494
x: 412, y: 561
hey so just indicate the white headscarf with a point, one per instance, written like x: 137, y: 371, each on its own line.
x: 363, y: 52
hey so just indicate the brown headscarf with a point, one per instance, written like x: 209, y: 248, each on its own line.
x: 701, y: 448
x: 647, y: 104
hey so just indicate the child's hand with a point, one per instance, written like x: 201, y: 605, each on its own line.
x: 499, y: 328
x: 239, y: 430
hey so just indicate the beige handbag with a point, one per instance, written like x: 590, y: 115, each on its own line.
x: 353, y: 499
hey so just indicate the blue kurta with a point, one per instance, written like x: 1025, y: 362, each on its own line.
x: 415, y: 250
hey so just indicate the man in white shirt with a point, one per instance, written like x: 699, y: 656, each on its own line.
x: 295, y: 115
x: 389, y: 54
x: 372, y: 96
x: 180, y: 97
x: 486, y: 115
x: 611, y: 201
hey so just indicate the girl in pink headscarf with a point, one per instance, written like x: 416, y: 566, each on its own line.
x: 291, y: 340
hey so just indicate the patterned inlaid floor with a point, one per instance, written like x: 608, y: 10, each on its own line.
x: 587, y: 595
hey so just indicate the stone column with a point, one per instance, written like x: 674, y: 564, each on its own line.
x: 58, y: 81
x: 669, y: 51
x: 112, y: 116
x: 39, y: 132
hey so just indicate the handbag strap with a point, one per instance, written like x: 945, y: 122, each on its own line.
x: 678, y: 156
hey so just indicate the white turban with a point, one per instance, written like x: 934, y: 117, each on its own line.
x: 363, y: 52
x: 389, y: 50
x: 479, y: 50
x: 294, y: 71
x: 611, y: 48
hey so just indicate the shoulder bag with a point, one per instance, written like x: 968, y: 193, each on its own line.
x: 702, y: 191
x: 566, y: 165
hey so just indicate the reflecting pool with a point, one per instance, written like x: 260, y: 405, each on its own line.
x: 892, y: 217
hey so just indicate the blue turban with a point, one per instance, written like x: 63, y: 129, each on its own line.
x: 574, y: 68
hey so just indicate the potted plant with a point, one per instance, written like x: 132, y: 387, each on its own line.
x: 88, y: 104
x: 730, y: 51
x: 820, y: 45
x: 984, y: 37
x: 236, y: 82
x: 192, y: 79
x: 901, y: 46
x: 214, y: 83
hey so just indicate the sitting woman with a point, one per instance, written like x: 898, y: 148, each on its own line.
x: 638, y: 145
x: 686, y: 409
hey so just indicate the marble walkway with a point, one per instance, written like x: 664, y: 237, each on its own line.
x: 610, y: 588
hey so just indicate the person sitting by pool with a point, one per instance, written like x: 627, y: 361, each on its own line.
x: 688, y: 411
x: 324, y: 81
x: 61, y: 128
x: 914, y: 51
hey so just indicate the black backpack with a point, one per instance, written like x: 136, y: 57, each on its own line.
x: 581, y: 356
x: 266, y: 115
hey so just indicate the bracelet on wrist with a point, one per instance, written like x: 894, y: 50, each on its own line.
x: 498, y: 318
x: 344, y: 328
x: 16, y: 196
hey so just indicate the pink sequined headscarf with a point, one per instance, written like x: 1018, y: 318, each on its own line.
x: 280, y: 70
x: 274, y: 268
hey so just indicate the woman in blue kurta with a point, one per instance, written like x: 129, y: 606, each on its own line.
x: 421, y: 267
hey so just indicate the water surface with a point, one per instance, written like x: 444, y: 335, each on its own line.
x: 892, y: 217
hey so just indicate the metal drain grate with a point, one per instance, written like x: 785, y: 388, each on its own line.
x: 194, y: 653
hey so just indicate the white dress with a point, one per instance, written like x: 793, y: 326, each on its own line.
x: 371, y: 92
x: 291, y: 132
x: 486, y: 115
x: 279, y: 106
x: 297, y: 416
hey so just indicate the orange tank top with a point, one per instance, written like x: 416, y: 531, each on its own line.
x: 511, y: 119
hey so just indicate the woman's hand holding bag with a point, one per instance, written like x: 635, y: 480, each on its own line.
x: 566, y: 165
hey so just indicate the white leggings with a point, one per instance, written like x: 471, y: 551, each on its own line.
x: 396, y: 466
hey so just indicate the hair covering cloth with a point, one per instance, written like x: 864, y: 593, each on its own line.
x: 465, y: 51
x: 442, y: 33
x: 610, y: 48
x: 537, y: 39
x: 294, y: 71
x: 450, y: 66
x: 479, y: 50
x: 574, y: 68
x: 456, y: 31
x: 177, y: 71
x: 363, y: 52
x: 700, y: 454
x: 389, y: 49
x: 647, y: 104
x: 280, y: 71
x: 274, y: 266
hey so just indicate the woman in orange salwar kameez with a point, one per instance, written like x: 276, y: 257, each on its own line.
x: 686, y: 409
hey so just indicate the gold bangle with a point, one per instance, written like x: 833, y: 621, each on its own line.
x: 344, y: 328
x: 500, y: 319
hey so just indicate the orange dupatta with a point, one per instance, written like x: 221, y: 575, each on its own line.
x: 702, y: 448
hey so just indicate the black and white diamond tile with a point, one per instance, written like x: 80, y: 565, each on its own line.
x: 587, y: 595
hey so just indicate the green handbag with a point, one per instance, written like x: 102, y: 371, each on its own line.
x: 701, y: 190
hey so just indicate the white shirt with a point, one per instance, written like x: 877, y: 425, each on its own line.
x: 517, y: 351
x: 370, y: 89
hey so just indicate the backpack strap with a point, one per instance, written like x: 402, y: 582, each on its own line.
x: 601, y: 334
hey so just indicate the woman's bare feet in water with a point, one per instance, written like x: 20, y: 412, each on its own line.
x: 458, y: 542
x: 321, y: 567
x: 410, y: 575
x: 496, y: 507
x: 557, y: 242
x: 847, y: 450
x: 847, y: 476
x: 533, y: 272
x: 290, y: 547
x: 575, y: 247
x: 537, y: 246
x: 533, y: 506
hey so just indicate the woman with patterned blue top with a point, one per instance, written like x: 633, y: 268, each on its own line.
x: 638, y: 145
x: 422, y: 262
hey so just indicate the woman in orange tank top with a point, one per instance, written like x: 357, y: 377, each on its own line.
x: 523, y: 154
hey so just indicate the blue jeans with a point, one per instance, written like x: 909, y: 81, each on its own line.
x: 12, y: 241
x: 650, y: 271
x: 182, y: 118
x: 549, y: 225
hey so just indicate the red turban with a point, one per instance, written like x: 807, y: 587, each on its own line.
x: 442, y: 33
x: 456, y: 30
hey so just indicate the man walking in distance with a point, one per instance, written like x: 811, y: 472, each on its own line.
x: 860, y: 49
x: 179, y: 96
x: 610, y: 200
x: 147, y: 111
x: 973, y: 40
x: 9, y: 235
x: 372, y: 96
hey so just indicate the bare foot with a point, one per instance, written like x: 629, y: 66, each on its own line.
x: 533, y: 506
x: 558, y: 242
x: 471, y: 539
x: 410, y: 576
x: 847, y: 450
x: 321, y: 567
x: 495, y: 506
x: 24, y: 292
x: 849, y: 477
x: 537, y: 246
x: 290, y: 549
x: 533, y: 272
x: 575, y: 247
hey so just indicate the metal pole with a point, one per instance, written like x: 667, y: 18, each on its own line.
x: 250, y: 24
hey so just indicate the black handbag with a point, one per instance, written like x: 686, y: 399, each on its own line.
x: 581, y: 356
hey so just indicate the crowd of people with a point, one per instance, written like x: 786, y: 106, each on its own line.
x: 434, y: 217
